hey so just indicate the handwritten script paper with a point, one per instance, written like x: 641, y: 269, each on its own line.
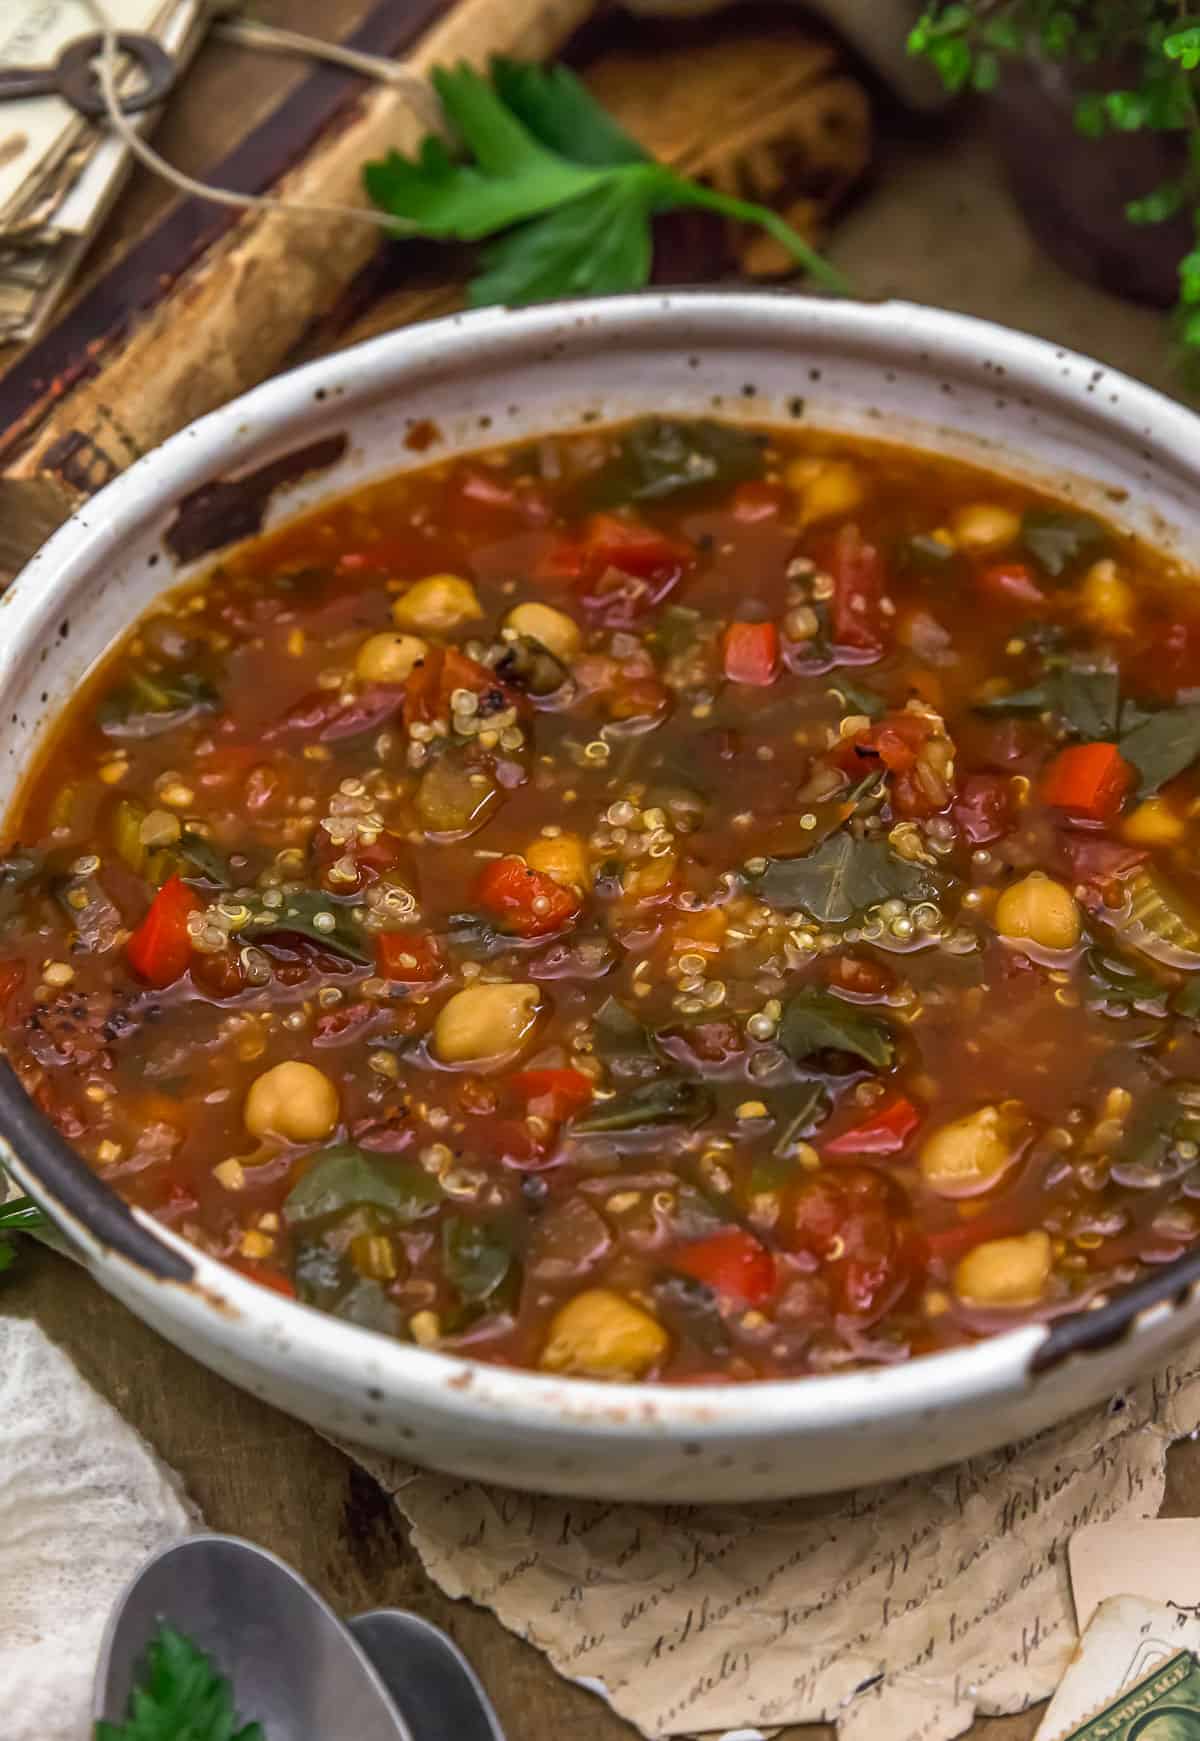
x: 897, y: 1611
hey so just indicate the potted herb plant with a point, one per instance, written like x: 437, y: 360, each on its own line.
x: 1096, y: 113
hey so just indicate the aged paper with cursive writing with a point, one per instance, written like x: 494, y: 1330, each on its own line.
x: 897, y: 1611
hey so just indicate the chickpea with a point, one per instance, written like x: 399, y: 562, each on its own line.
x: 1106, y: 600
x: 389, y: 657
x: 1005, y: 1272
x: 1039, y: 910
x: 562, y: 858
x: 601, y: 1334
x: 437, y: 604
x: 486, y: 1023
x: 556, y: 631
x: 985, y: 526
x: 294, y: 1101
x: 1154, y: 823
x: 967, y: 1154
x: 826, y: 487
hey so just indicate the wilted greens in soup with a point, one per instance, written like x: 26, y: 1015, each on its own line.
x: 674, y: 902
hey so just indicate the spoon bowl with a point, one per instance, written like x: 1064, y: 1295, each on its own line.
x: 293, y: 1666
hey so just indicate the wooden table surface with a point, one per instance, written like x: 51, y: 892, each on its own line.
x: 936, y: 227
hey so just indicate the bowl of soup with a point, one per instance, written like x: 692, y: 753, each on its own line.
x: 606, y: 898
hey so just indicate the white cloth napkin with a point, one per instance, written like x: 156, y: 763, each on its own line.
x: 83, y: 1501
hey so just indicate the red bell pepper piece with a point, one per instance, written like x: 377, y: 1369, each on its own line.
x: 1088, y: 780
x: 411, y: 957
x: 733, y: 1263
x: 553, y: 1094
x: 525, y: 901
x: 160, y: 950
x: 750, y: 653
x: 885, y: 1132
x: 1011, y: 583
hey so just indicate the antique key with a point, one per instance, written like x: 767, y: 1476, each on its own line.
x: 72, y: 76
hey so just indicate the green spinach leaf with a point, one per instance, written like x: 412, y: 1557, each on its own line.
x: 816, y: 1021
x: 665, y: 1100
x: 816, y: 1105
x: 1056, y: 537
x: 347, y: 1177
x: 856, y: 697
x: 658, y: 459
x: 307, y: 914
x: 1084, y: 700
x: 841, y: 877
x: 476, y: 1256
x: 146, y: 704
x: 1160, y: 744
x: 624, y: 1043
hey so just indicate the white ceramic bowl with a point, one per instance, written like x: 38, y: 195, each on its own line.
x: 940, y: 381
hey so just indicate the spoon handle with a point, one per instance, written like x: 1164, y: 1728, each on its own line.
x: 433, y: 1685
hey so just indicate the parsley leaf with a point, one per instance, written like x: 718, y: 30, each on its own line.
x: 544, y: 156
x: 561, y: 113
x: 181, y: 1697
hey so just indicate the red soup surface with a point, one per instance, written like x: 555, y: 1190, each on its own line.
x: 676, y: 902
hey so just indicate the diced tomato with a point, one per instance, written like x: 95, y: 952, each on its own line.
x: 553, y: 1094
x: 733, y: 1263
x: 1010, y: 583
x: 755, y: 501
x: 983, y: 810
x: 411, y: 957
x: 160, y: 950
x: 563, y: 561
x: 1088, y: 780
x: 1097, y: 863
x: 750, y: 653
x: 431, y: 683
x: 885, y: 1132
x: 898, y: 741
x: 525, y: 901
x: 632, y: 546
x: 859, y: 584
x: 856, y: 1223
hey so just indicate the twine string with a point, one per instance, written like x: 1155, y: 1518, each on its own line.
x: 397, y: 74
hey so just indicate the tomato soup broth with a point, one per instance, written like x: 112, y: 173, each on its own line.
x: 679, y: 902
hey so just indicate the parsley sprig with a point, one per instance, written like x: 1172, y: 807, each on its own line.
x: 181, y: 1697
x: 18, y: 1215
x: 967, y: 42
x: 563, y: 196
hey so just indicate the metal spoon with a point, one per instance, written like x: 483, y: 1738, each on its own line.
x: 428, y: 1676
x: 294, y: 1667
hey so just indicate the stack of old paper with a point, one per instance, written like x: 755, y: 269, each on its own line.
x: 59, y: 172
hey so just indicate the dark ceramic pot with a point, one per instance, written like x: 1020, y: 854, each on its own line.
x: 1072, y: 190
